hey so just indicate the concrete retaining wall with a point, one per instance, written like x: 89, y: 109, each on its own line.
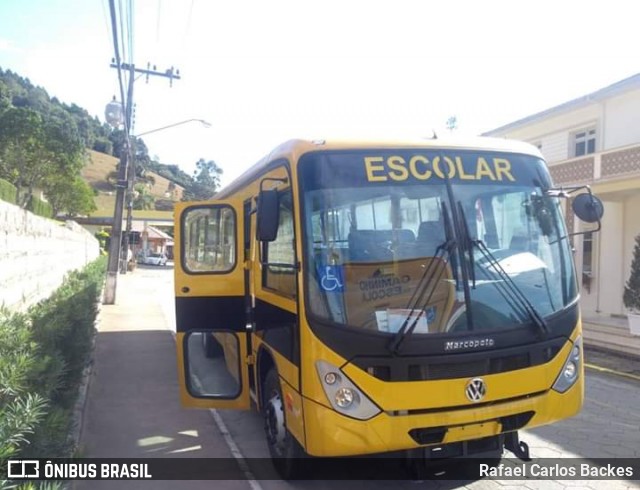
x: 36, y: 253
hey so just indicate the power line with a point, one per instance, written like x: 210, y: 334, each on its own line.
x: 104, y: 16
x: 122, y: 30
x: 131, y: 30
x: 116, y: 49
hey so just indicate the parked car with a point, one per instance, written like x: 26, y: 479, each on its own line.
x: 155, y: 259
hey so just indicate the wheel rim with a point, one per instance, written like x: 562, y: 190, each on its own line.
x: 274, y: 423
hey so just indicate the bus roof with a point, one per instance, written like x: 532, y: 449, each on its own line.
x: 295, y: 148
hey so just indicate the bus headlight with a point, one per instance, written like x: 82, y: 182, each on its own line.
x: 343, y: 395
x: 571, y: 370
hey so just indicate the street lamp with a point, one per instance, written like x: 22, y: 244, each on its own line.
x: 201, y: 121
x: 131, y: 178
x: 114, y: 113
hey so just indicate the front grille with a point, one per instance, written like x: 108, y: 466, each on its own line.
x: 461, y: 365
x: 512, y: 424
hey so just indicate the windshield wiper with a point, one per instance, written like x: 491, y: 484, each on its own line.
x: 426, y: 280
x: 467, y: 245
x: 515, y: 293
x: 510, y: 294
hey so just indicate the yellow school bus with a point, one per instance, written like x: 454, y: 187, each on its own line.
x: 374, y: 297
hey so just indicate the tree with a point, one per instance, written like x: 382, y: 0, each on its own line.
x: 75, y: 196
x: 103, y: 145
x: 36, y: 150
x: 206, y: 180
x: 141, y: 153
x: 5, y: 96
x: 143, y: 198
x: 117, y: 138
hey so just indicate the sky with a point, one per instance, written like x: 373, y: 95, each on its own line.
x: 265, y: 72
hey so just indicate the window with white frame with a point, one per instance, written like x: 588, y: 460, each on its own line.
x: 587, y: 260
x: 584, y: 142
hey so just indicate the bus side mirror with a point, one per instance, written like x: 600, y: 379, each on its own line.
x: 268, y: 215
x: 588, y: 208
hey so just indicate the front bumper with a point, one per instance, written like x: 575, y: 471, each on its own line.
x: 331, y: 434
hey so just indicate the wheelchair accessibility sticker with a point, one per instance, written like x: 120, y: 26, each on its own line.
x: 431, y: 314
x: 330, y: 278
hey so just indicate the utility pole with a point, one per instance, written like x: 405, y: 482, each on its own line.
x: 124, y: 186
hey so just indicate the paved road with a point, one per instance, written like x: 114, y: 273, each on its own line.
x: 608, y: 425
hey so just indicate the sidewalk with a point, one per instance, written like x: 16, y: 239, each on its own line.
x: 132, y: 408
x: 610, y: 334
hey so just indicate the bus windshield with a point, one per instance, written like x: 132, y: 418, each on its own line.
x: 444, y: 241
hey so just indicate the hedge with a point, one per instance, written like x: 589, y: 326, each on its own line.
x: 8, y: 192
x: 39, y: 207
x: 42, y: 357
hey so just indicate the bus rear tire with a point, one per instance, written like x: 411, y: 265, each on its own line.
x: 288, y: 457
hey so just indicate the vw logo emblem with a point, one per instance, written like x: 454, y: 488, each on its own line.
x: 475, y: 390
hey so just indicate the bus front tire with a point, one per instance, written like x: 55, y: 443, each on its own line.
x: 289, y: 459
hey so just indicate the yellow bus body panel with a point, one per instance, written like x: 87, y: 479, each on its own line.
x: 189, y: 401
x: 329, y: 433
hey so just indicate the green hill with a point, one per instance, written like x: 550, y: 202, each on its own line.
x: 38, y: 113
x: 97, y: 173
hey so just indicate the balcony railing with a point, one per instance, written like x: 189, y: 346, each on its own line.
x: 606, y: 165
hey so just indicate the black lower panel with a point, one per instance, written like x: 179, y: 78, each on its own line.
x: 205, y: 313
x: 279, y: 329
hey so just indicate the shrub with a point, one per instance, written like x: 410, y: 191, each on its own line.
x: 64, y: 326
x: 20, y: 410
x: 39, y: 207
x: 631, y: 297
x: 42, y: 357
x: 103, y: 145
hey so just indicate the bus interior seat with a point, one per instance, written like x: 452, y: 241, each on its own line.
x: 404, y: 236
x: 430, y: 236
x: 368, y: 245
x: 378, y: 245
x: 405, y: 244
x: 519, y: 243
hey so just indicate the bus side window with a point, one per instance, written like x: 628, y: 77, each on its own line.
x: 209, y: 239
x: 279, y: 273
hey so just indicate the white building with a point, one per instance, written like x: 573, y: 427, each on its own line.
x: 595, y: 140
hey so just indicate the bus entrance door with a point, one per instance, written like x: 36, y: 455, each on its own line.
x: 211, y: 335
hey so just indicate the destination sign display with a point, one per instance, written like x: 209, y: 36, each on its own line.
x: 419, y: 167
